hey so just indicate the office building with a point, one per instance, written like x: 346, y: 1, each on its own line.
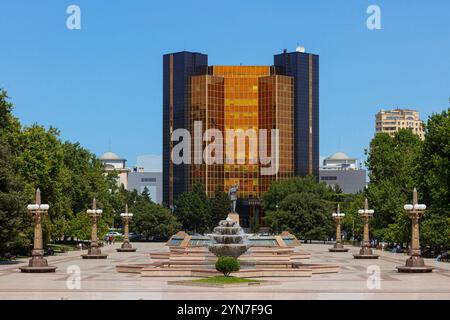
x: 147, y: 174
x: 283, y: 96
x: 339, y: 169
x: 138, y: 180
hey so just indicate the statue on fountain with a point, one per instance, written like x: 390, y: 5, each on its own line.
x: 232, y: 195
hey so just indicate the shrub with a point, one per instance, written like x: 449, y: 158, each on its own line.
x: 227, y: 265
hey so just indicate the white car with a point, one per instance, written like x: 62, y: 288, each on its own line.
x: 114, y: 234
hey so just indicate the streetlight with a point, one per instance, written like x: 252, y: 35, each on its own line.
x: 37, y: 263
x: 366, y: 250
x: 126, y: 245
x: 94, y: 251
x: 338, y: 247
x: 415, y: 263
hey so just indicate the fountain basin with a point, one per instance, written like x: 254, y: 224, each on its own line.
x: 229, y: 250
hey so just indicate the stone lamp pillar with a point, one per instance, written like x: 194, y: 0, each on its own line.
x: 126, y: 245
x: 94, y: 251
x: 415, y: 263
x: 366, y: 251
x: 338, y: 247
x: 37, y: 263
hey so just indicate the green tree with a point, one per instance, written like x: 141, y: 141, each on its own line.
x: 435, y: 180
x: 435, y: 231
x: 301, y: 206
x: 151, y: 219
x: 393, y: 172
x: 13, y: 216
x: 352, y: 220
x: 10, y: 127
x: 68, y: 175
x: 219, y: 207
x: 192, y: 209
x: 12, y: 201
x: 435, y: 163
x: 395, y: 159
x: 80, y: 227
x: 40, y: 162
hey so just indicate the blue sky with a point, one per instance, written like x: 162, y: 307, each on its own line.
x: 104, y: 82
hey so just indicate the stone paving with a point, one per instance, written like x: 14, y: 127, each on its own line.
x: 99, y: 279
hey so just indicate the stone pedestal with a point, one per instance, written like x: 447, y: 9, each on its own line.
x: 415, y: 264
x: 365, y: 253
x: 234, y: 216
x: 338, y: 247
x: 126, y: 247
x: 94, y: 253
x: 38, y: 264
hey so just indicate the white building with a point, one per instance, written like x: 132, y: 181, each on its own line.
x: 339, y: 169
x: 113, y: 162
x: 339, y: 161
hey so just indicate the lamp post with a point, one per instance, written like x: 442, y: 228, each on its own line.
x: 415, y: 263
x: 126, y: 245
x: 94, y: 251
x: 366, y: 250
x: 37, y: 263
x: 338, y: 216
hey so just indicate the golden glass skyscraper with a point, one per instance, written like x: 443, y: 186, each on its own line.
x: 281, y: 97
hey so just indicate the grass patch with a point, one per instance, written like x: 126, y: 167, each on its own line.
x: 225, y: 280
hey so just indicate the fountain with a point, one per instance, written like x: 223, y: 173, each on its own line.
x: 262, y: 256
x: 228, y: 239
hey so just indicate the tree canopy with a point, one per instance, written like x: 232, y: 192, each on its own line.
x: 301, y: 206
x: 69, y: 177
x: 199, y: 213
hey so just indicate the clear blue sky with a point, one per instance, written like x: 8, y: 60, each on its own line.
x: 104, y: 82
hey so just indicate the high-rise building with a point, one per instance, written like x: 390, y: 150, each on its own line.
x: 304, y: 69
x: 248, y: 98
x: 391, y: 121
x: 178, y: 68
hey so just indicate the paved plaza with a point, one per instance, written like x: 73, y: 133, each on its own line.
x: 99, y: 279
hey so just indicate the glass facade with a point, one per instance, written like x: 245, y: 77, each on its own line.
x: 276, y: 100
x: 241, y: 98
x: 241, y: 106
x: 246, y: 99
x: 304, y: 68
x: 206, y: 106
x: 177, y: 70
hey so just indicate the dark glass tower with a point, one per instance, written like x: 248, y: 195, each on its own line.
x: 304, y: 68
x: 177, y: 70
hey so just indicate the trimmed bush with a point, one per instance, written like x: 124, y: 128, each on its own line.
x: 227, y: 265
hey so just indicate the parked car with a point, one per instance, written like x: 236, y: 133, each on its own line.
x: 114, y: 234
x: 134, y: 236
